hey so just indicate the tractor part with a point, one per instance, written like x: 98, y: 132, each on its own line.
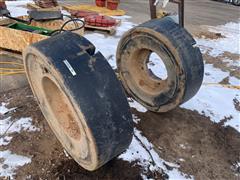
x: 32, y: 29
x: 236, y: 2
x: 45, y: 15
x: 180, y: 3
x: 182, y: 59
x: 80, y: 97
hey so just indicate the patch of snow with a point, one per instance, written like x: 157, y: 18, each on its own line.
x: 157, y: 66
x: 216, y: 103
x: 144, y: 177
x: 234, y: 81
x: 214, y: 75
x: 9, y: 162
x: 17, y: 8
x: 230, y: 43
x: 231, y: 63
x: 181, y: 160
x: 4, y: 109
x: 136, y: 105
x: 136, y: 119
x: 5, y: 140
x: 213, y: 100
x: 235, y: 167
x: 107, y: 45
x: 209, y: 101
x: 143, y: 155
x: 10, y: 126
x: 66, y: 153
x: 182, y: 146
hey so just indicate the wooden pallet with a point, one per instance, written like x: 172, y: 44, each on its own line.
x: 110, y: 30
x: 36, y: 7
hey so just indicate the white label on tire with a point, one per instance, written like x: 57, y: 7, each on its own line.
x: 70, y: 67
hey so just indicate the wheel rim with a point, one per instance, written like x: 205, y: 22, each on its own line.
x: 70, y: 131
x: 130, y: 63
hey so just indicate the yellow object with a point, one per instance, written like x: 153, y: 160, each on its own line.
x: 161, y: 13
x: 100, y: 10
x: 223, y: 85
x: 13, y: 63
x: 11, y: 71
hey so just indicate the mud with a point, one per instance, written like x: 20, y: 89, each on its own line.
x: 218, y: 62
x: 49, y: 160
x: 201, y: 148
x: 210, y: 35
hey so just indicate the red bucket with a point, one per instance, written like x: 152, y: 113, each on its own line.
x: 101, y: 3
x: 112, y: 5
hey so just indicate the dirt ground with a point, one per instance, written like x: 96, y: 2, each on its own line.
x: 48, y: 158
x: 210, y: 150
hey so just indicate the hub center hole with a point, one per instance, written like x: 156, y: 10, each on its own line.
x: 61, y: 108
x: 156, y: 67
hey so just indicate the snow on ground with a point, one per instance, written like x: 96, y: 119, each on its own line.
x: 10, y: 126
x: 231, y: 43
x: 17, y: 8
x: 107, y: 45
x: 213, y: 101
x: 9, y: 161
x: 136, y: 105
x: 216, y: 101
x: 4, y: 109
x: 235, y: 168
x: 142, y: 153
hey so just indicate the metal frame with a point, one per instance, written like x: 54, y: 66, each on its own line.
x: 153, y: 10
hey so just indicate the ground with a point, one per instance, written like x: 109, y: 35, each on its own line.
x: 198, y: 140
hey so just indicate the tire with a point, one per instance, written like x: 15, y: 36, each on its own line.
x: 236, y: 2
x: 182, y: 59
x: 80, y: 97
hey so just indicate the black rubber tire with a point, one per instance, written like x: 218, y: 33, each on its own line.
x: 183, y: 61
x: 80, y: 97
x: 236, y: 2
